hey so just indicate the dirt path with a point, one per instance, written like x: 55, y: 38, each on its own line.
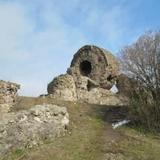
x: 110, y: 137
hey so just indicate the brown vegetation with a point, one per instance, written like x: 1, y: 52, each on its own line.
x: 141, y: 62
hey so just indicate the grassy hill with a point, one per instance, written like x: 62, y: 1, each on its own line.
x: 90, y: 136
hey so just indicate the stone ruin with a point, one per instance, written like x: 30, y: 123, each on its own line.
x: 32, y: 127
x: 95, y: 63
x: 20, y: 129
x: 92, y: 74
x: 8, y: 94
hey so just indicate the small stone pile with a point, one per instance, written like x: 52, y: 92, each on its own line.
x: 8, y: 94
x: 28, y: 128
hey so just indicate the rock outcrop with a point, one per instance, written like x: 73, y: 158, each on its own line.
x: 28, y: 128
x: 8, y: 94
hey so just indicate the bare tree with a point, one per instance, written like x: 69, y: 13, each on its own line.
x: 141, y: 61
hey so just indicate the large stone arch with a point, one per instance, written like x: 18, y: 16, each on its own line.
x: 95, y: 63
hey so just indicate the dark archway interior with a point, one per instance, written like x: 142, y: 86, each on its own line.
x: 85, y: 68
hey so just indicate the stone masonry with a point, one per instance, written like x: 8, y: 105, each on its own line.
x: 95, y: 63
x: 8, y: 94
x: 90, y: 77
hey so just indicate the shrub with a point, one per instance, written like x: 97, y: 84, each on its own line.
x: 141, y: 62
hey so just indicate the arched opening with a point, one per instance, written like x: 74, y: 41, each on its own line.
x: 85, y: 68
x: 109, y: 78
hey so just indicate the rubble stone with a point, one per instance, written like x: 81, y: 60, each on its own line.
x: 28, y: 128
x: 8, y: 94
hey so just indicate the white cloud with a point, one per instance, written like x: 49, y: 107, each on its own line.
x: 32, y: 55
x: 110, y: 24
x: 14, y: 27
x: 115, y: 25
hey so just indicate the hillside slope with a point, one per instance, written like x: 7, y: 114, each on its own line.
x: 90, y: 136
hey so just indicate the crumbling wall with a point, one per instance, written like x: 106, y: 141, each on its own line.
x: 95, y: 63
x: 8, y: 94
x: 63, y: 87
x: 90, y: 92
x: 92, y: 73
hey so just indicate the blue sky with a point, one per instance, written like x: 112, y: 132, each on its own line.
x: 39, y: 37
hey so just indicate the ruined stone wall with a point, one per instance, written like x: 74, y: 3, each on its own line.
x: 92, y: 73
x: 96, y: 64
x: 63, y: 87
x: 8, y: 93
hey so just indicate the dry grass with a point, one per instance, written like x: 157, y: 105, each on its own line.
x: 90, y: 136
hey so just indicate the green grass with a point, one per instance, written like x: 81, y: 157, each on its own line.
x: 140, y: 146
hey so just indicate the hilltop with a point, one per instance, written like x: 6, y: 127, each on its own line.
x: 90, y: 136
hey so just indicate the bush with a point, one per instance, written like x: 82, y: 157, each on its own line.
x: 145, y: 110
x: 141, y: 62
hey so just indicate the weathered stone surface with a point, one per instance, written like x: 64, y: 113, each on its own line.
x: 96, y: 63
x: 63, y: 87
x: 92, y: 74
x: 8, y: 94
x: 28, y: 128
x: 101, y: 96
x: 126, y: 85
